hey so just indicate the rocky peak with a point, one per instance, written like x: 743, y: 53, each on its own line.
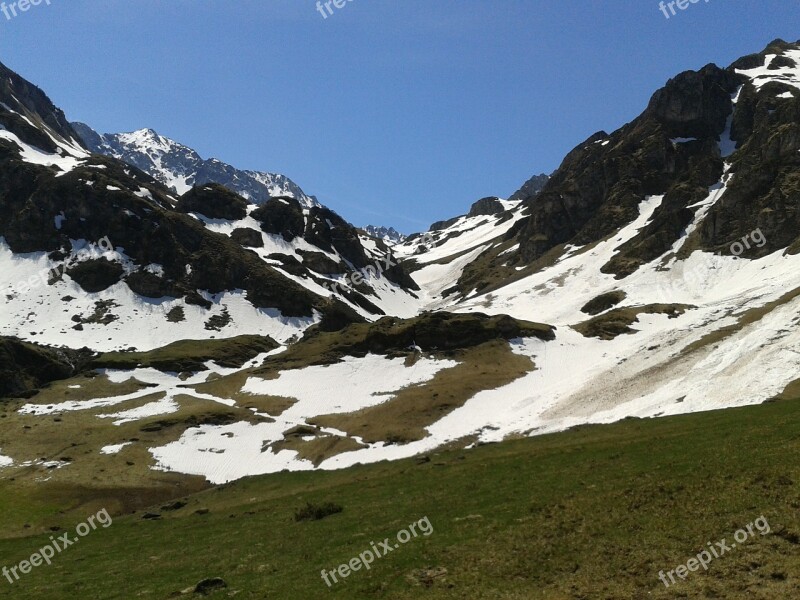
x: 695, y: 103
x: 531, y: 188
x: 486, y: 206
x: 387, y: 234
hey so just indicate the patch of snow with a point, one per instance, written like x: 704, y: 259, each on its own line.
x: 114, y: 448
x: 164, y: 406
x: 760, y: 76
x: 359, y: 383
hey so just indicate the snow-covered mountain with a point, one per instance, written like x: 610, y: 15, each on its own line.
x: 288, y: 229
x: 180, y: 168
x: 666, y: 254
x: 388, y: 234
x: 97, y: 253
x: 655, y: 272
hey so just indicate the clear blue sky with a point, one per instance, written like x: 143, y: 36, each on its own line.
x: 396, y: 112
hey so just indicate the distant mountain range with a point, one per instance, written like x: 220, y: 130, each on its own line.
x: 388, y: 234
x: 180, y: 168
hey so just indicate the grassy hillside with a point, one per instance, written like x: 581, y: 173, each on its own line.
x: 190, y: 355
x: 595, y: 512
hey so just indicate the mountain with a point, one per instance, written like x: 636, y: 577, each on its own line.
x: 531, y: 188
x: 313, y: 241
x: 97, y: 253
x: 664, y: 253
x: 388, y: 234
x: 180, y: 168
x: 655, y: 272
x: 698, y: 133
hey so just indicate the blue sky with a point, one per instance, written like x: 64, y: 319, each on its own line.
x: 396, y: 112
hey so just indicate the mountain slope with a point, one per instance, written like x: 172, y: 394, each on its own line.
x: 699, y: 131
x: 25, y: 367
x: 681, y: 227
x: 93, y: 249
x: 289, y: 230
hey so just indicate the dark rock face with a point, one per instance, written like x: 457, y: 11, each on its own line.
x: 694, y: 104
x: 603, y: 302
x: 781, y: 61
x: 338, y: 316
x: 439, y: 225
x: 327, y: 230
x: 751, y: 61
x: 531, y: 188
x: 764, y: 192
x: 25, y: 98
x: 667, y: 225
x: 674, y: 150
x: 213, y: 201
x: 281, y: 216
x: 399, y: 275
x: 358, y: 298
x: 150, y: 285
x: 600, y: 184
x: 96, y: 275
x: 25, y: 367
x: 486, y: 206
x: 249, y: 238
x: 322, y: 264
x: 289, y: 263
x: 597, y: 189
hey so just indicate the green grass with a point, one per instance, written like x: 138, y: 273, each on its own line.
x: 190, y: 355
x: 592, y: 513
